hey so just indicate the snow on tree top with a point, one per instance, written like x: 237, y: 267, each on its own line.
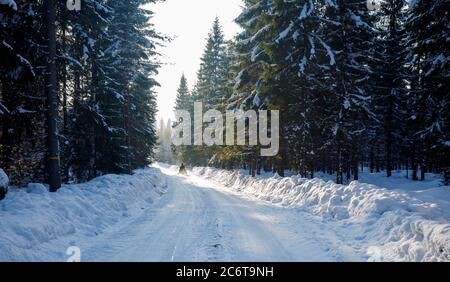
x: 9, y: 3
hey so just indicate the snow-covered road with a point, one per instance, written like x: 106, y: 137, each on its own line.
x: 198, y: 220
x: 218, y: 215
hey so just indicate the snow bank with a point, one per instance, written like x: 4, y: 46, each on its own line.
x: 36, y: 188
x: 4, y: 183
x: 4, y: 179
x: 404, y: 227
x: 9, y: 3
x: 30, y: 218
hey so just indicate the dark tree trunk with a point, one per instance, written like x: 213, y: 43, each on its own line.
x: 356, y: 171
x: 280, y: 168
x: 267, y: 165
x: 126, y: 121
x: 54, y: 178
x: 377, y: 160
x: 258, y: 165
x: 414, y: 163
x: 407, y: 168
x: 389, y: 151
x: 339, y: 173
x: 348, y: 172
x: 372, y: 161
x: 423, y: 170
x: 391, y: 74
x: 253, y: 168
x: 66, y: 151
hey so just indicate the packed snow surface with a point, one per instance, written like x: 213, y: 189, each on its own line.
x: 217, y: 215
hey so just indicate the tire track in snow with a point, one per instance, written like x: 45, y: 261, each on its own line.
x: 198, y: 220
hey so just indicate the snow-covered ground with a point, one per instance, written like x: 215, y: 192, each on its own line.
x: 215, y: 215
x: 39, y: 226
x: 403, y: 223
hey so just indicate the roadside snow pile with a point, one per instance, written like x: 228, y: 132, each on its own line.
x: 4, y: 183
x: 4, y: 179
x: 9, y: 3
x: 36, y: 188
x: 32, y: 218
x: 406, y: 228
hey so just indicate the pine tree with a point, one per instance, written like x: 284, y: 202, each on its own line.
x: 164, y: 152
x: 211, y: 87
x: 82, y: 68
x: 350, y: 35
x: 51, y: 90
x: 351, y: 85
x: 300, y: 54
x: 126, y: 102
x: 429, y: 50
x: 105, y: 59
x: 184, y: 102
x: 22, y: 37
x: 184, y: 99
x: 388, y: 81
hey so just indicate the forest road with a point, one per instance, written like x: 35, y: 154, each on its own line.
x: 198, y: 220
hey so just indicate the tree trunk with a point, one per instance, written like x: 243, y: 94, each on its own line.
x: 339, y: 173
x: 54, y: 178
x: 258, y: 165
x: 356, y: 170
x: 66, y: 151
x: 377, y: 160
x: 389, y: 151
x: 414, y: 163
x: 423, y: 170
x: 372, y: 161
x: 348, y: 171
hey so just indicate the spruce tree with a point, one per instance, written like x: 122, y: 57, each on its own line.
x: 212, y: 77
x: 429, y: 50
x: 211, y: 86
x: 184, y: 102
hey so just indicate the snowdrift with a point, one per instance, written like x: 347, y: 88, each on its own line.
x: 33, y: 221
x: 403, y: 227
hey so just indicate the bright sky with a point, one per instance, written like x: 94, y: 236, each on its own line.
x: 188, y: 22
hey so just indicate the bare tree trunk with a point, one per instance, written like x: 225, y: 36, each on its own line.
x: 377, y: 159
x: 253, y: 164
x: 372, y: 159
x: 414, y: 163
x: 339, y: 173
x: 54, y: 178
x: 389, y: 149
x: 356, y: 170
x: 423, y: 169
x: 65, y: 158
x: 258, y: 165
